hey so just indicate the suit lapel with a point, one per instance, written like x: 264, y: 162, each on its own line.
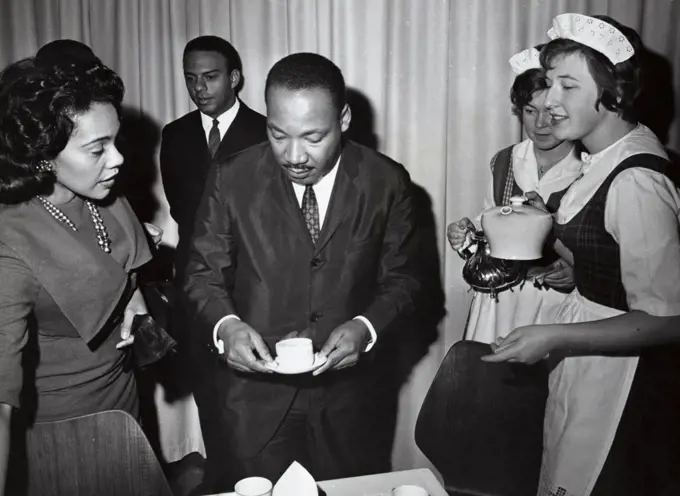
x: 239, y: 135
x: 233, y: 137
x: 279, y: 191
x: 195, y: 136
x: 344, y: 190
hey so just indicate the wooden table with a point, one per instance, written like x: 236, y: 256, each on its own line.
x: 378, y: 484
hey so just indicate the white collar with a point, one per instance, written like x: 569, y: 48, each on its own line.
x: 597, y: 167
x: 326, y: 181
x: 525, y: 169
x: 224, y: 119
x: 589, y: 159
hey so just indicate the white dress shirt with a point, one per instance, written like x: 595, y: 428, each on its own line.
x: 525, y: 171
x: 322, y: 190
x: 641, y: 213
x: 224, y: 121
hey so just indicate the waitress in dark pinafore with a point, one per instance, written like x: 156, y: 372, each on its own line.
x: 611, y: 422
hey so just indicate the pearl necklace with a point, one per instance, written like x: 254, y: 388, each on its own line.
x: 103, y: 239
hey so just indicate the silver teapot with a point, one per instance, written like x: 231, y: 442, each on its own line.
x: 487, y: 274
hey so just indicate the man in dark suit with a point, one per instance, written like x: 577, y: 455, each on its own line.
x: 221, y: 126
x: 305, y: 235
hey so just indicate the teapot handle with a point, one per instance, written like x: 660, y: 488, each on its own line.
x: 465, y: 253
x: 475, y: 236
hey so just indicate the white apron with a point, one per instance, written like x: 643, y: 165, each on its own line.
x: 585, y: 403
x: 490, y: 319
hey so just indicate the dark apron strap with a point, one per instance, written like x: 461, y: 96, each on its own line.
x: 504, y: 185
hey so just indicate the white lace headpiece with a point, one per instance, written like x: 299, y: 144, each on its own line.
x: 525, y: 60
x: 594, y: 33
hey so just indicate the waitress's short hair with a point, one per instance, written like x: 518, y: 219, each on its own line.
x: 618, y: 84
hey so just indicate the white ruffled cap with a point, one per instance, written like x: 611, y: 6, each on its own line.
x: 594, y: 33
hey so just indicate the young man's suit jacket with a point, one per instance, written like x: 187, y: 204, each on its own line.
x: 185, y: 159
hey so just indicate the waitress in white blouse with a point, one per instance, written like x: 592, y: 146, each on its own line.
x: 611, y: 424
x: 542, y: 164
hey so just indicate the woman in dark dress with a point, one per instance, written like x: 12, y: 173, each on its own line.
x: 68, y: 251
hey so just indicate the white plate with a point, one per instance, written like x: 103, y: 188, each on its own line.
x: 319, y: 360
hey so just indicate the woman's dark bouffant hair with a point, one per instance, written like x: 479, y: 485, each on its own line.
x: 37, y: 107
x: 524, y: 87
x: 618, y: 84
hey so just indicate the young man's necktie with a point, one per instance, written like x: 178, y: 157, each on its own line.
x: 214, y: 138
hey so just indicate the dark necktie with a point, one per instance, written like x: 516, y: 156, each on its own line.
x: 310, y: 211
x: 214, y: 138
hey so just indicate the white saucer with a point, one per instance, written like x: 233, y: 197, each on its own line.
x: 319, y: 360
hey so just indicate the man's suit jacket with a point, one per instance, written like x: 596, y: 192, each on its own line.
x: 185, y: 158
x: 251, y: 255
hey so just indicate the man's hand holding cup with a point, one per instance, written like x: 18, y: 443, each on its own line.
x: 244, y: 348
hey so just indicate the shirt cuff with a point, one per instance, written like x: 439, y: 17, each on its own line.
x: 219, y: 344
x: 374, y: 335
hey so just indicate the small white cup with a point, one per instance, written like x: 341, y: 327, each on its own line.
x: 409, y: 490
x: 295, y: 352
x: 254, y: 486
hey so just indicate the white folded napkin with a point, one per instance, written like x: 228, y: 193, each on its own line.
x: 296, y: 481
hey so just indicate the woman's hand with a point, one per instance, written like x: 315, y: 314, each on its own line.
x: 536, y: 200
x: 155, y: 232
x: 136, y: 306
x: 525, y: 345
x: 559, y: 276
x: 457, y: 232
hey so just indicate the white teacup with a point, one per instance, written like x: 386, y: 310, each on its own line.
x: 409, y: 490
x: 295, y: 352
x: 254, y: 486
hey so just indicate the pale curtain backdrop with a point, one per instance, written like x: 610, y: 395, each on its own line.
x: 434, y: 71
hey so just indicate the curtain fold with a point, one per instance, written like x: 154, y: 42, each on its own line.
x: 429, y: 84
